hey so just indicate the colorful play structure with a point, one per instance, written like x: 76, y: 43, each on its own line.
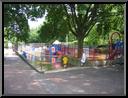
x: 54, y: 52
x: 116, y: 48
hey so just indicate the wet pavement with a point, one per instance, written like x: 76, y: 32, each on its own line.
x: 19, y: 78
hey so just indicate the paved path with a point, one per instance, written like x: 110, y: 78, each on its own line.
x: 0, y: 80
x: 19, y: 78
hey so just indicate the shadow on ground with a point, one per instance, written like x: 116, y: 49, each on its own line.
x: 19, y: 78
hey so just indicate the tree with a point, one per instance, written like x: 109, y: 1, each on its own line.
x: 112, y: 19
x: 16, y: 20
x: 81, y: 18
x: 33, y: 36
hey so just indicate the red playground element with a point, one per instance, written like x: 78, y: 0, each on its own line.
x: 113, y: 52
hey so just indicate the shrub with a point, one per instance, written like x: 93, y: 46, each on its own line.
x: 73, y: 61
x: 43, y: 65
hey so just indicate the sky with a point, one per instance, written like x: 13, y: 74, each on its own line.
x: 35, y: 24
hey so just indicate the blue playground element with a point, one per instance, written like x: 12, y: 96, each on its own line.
x: 119, y: 44
x: 57, y: 48
x: 24, y: 54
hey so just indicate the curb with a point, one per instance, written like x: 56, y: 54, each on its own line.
x: 68, y: 69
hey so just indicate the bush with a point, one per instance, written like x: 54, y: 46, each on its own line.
x: 43, y: 65
x: 73, y: 61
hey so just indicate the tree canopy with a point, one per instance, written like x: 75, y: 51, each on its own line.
x: 16, y: 19
x: 61, y: 19
x: 80, y: 20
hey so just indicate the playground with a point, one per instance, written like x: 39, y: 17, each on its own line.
x: 64, y: 48
x: 58, y: 55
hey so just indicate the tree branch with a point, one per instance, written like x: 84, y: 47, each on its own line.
x: 69, y: 24
x: 74, y: 17
x: 92, y: 17
x: 86, y: 34
x: 85, y: 17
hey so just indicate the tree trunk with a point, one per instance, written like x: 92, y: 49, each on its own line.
x: 80, y: 47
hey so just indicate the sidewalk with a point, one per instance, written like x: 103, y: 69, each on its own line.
x: 19, y: 78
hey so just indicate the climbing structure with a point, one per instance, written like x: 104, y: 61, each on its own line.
x: 115, y: 48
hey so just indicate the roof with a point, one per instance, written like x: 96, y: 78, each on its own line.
x: 56, y: 42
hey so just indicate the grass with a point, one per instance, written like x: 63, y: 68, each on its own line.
x: 27, y: 62
x: 43, y: 65
x: 73, y: 61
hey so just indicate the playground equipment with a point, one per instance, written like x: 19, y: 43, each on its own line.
x: 115, y: 48
x: 24, y: 54
x: 53, y: 53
